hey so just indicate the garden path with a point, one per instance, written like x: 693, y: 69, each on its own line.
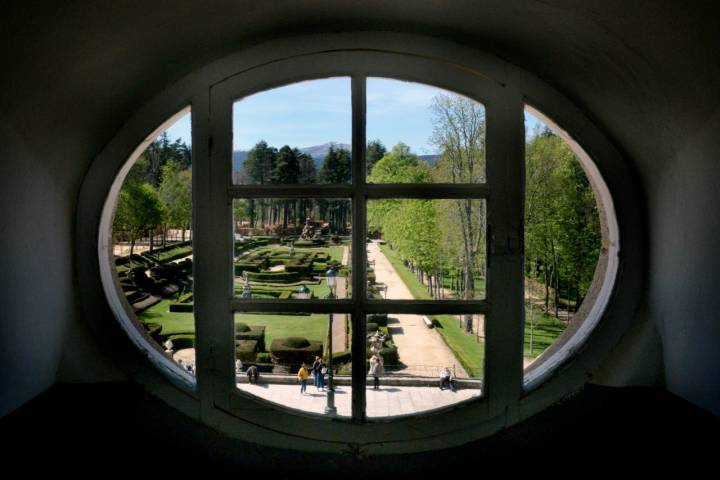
x: 339, y: 333
x: 421, y: 349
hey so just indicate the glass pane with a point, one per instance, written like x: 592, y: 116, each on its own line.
x: 271, y: 349
x: 422, y: 362
x: 422, y: 134
x: 292, y: 248
x: 296, y: 134
x: 563, y: 240
x: 152, y: 242
x: 426, y: 249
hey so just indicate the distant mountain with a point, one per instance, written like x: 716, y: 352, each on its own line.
x: 318, y: 153
x: 430, y: 159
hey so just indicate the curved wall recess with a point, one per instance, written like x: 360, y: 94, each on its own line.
x: 504, y: 90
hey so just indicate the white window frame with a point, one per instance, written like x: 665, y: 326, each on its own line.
x: 504, y: 91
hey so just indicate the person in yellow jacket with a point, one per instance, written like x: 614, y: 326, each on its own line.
x: 303, y: 375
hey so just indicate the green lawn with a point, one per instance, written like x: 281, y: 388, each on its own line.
x: 547, y: 329
x: 336, y: 253
x: 312, y: 327
x: 469, y: 351
x: 172, y: 322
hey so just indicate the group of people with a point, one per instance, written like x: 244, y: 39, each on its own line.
x: 318, y: 370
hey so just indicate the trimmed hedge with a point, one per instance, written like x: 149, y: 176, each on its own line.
x: 153, y: 329
x: 294, y: 350
x: 169, y: 253
x: 303, y: 270
x: 316, y: 242
x: 254, y: 332
x: 263, y: 357
x: 181, y: 342
x: 372, y: 327
x: 182, y: 307
x: 341, y: 357
x: 241, y: 267
x: 276, y: 277
x: 381, y: 319
x: 246, y: 350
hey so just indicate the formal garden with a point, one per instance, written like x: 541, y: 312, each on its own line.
x: 288, y: 248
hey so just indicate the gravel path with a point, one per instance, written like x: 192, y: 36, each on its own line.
x: 421, y: 349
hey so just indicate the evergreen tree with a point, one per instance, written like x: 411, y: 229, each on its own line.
x: 375, y: 151
x: 259, y: 169
x: 336, y: 168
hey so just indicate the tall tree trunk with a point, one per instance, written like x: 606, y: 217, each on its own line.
x: 547, y: 288
x: 557, y: 283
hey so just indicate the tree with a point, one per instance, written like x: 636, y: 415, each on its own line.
x: 562, y: 226
x: 138, y: 211
x: 459, y: 134
x: 307, y: 175
x: 336, y: 169
x: 287, y: 171
x: 410, y: 225
x: 159, y: 153
x: 259, y: 169
x: 176, y: 196
x: 375, y: 151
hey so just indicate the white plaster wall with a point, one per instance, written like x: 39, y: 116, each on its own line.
x: 36, y: 285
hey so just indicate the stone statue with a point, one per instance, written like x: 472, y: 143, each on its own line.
x: 246, y: 293
x: 308, y: 230
x: 376, y: 342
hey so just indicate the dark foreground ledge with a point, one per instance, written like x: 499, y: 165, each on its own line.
x: 110, y: 427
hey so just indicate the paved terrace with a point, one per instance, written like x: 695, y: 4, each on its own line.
x: 402, y: 396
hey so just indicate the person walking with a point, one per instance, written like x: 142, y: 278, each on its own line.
x: 376, y: 370
x: 302, y: 375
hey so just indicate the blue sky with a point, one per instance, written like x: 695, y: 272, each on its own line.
x: 314, y: 112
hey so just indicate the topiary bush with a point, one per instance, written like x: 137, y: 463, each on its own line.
x: 372, y: 327
x: 294, y: 350
x: 340, y: 358
x: 181, y: 342
x: 274, y: 277
x: 253, y: 332
x: 246, y: 350
x: 181, y: 307
x: 381, y: 319
x: 296, y: 342
x: 263, y: 357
